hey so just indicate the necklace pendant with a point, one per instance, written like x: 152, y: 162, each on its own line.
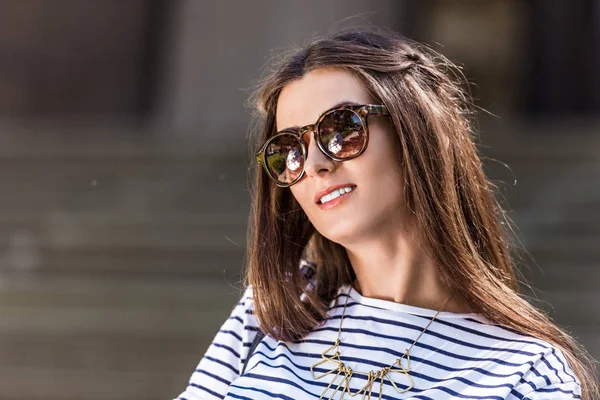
x: 340, y: 369
x: 337, y: 370
x: 335, y: 359
x: 403, y: 370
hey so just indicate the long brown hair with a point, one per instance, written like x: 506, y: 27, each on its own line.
x: 447, y: 193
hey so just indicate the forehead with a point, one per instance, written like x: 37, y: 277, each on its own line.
x: 302, y: 101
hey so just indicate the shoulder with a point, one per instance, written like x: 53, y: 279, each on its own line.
x: 245, y: 306
x: 539, y: 368
x: 550, y: 372
x: 550, y: 376
x: 247, y: 298
x: 540, y: 355
x: 545, y: 372
x: 242, y: 322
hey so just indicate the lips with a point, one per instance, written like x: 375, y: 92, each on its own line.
x: 331, y: 189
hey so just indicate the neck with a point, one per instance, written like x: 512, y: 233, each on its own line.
x: 400, y: 270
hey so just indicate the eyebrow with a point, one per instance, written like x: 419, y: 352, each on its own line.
x: 296, y: 128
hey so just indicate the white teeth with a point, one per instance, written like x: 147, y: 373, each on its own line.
x: 335, y: 194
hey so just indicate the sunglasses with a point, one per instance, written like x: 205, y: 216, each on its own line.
x: 341, y: 133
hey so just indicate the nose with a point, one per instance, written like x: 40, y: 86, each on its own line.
x: 316, y: 163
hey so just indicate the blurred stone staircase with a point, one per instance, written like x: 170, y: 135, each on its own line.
x: 121, y: 254
x: 555, y: 205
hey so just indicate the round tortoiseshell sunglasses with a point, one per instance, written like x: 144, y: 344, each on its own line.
x: 341, y: 133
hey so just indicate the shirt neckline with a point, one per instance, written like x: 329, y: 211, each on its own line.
x: 400, y: 307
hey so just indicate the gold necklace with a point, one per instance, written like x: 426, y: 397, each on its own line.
x: 372, y: 376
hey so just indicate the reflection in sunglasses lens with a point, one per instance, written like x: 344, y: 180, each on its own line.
x: 335, y: 144
x: 284, y: 158
x: 293, y: 159
x: 342, y: 133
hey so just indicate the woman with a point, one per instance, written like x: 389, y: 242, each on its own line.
x: 368, y: 178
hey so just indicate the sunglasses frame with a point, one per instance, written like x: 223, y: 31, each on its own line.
x: 361, y: 110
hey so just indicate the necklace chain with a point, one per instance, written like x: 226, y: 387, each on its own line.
x: 340, y: 369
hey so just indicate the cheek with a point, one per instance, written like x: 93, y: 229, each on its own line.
x: 304, y: 198
x: 385, y: 157
x: 301, y: 196
x: 381, y: 174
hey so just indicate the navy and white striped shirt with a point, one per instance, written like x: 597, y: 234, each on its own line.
x: 459, y: 356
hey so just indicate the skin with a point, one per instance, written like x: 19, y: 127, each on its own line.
x: 371, y: 223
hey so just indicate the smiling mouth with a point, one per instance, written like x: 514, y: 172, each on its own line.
x: 335, y: 194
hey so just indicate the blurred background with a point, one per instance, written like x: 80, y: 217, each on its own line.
x: 124, y: 169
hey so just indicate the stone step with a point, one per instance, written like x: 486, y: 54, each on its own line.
x: 64, y: 231
x: 106, y: 338
x: 124, y: 243
x: 570, y: 306
x: 31, y: 383
x: 581, y: 221
x: 550, y: 242
x: 133, y: 262
x: 567, y: 138
x: 152, y: 197
x: 518, y: 173
x: 109, y: 173
x: 95, y: 351
x: 556, y: 277
x: 28, y: 139
x: 108, y: 306
x: 564, y: 255
x: 119, y: 293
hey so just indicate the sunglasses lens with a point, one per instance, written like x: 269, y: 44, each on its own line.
x: 284, y: 157
x: 342, y: 133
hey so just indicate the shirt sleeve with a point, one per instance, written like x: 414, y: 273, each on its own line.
x: 558, y: 391
x: 551, y: 378
x: 224, y: 358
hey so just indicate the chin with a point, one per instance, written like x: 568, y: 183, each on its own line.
x: 341, y: 233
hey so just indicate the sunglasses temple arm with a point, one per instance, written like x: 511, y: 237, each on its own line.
x: 377, y: 110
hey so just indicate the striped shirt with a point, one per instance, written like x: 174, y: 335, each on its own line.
x: 459, y: 356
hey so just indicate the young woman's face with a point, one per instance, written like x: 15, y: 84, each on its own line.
x: 374, y: 204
